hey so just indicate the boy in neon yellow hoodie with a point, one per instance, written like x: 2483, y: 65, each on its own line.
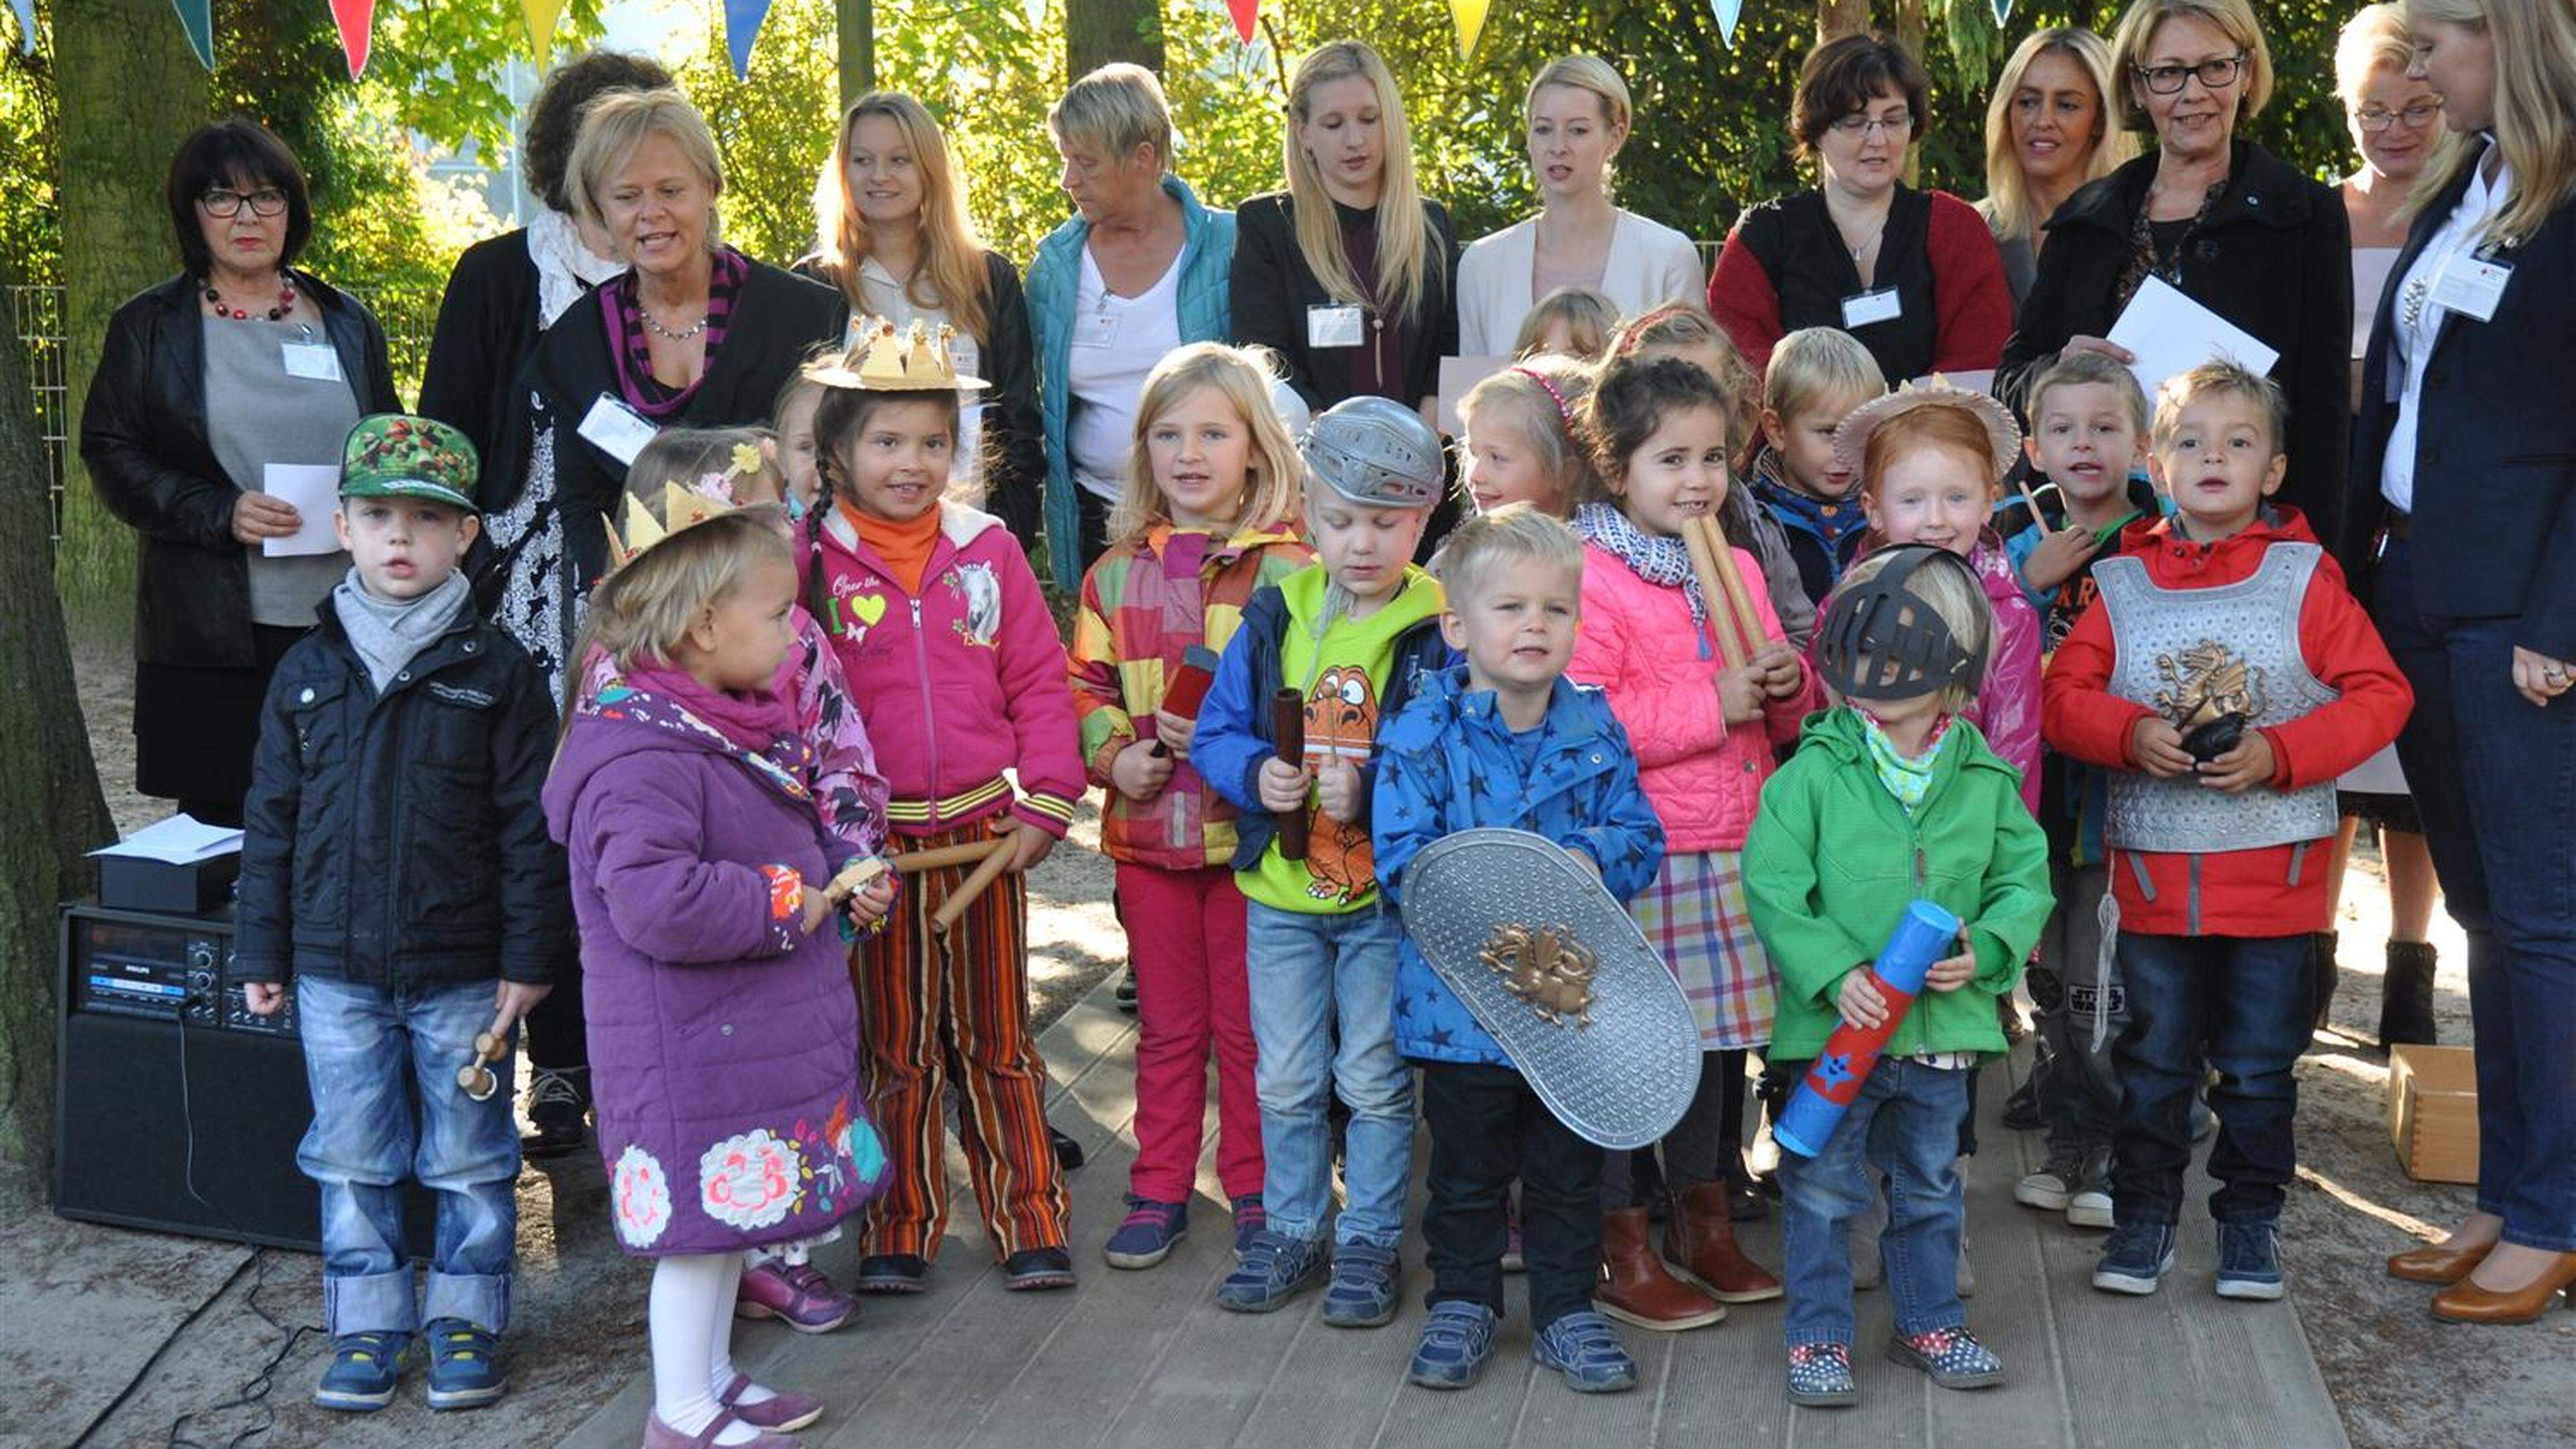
x: 1350, y: 635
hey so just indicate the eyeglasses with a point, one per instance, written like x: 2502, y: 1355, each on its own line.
x: 2217, y: 74
x: 2416, y: 116
x: 268, y: 201
x: 1857, y: 126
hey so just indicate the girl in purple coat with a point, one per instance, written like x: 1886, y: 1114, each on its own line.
x: 723, y: 1033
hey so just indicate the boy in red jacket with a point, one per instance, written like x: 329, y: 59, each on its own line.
x: 2228, y: 677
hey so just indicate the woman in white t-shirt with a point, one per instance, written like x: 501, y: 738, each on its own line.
x: 1578, y: 115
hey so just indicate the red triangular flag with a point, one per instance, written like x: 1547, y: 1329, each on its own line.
x: 357, y: 22
x: 1245, y: 12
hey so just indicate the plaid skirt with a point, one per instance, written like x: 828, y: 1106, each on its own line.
x: 1695, y: 915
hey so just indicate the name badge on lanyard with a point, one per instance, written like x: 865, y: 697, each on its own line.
x: 314, y: 360
x: 2471, y: 285
x: 616, y: 429
x: 1866, y: 308
x: 1335, y: 325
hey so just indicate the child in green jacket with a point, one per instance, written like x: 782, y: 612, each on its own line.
x: 1892, y: 798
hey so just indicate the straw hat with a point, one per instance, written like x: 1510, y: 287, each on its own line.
x: 2003, y: 435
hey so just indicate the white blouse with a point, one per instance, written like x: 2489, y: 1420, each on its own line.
x: 1649, y: 264
x: 2416, y: 321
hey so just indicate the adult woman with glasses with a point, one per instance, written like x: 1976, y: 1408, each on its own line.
x: 209, y: 384
x: 2466, y: 450
x: 1914, y: 275
x: 2219, y: 218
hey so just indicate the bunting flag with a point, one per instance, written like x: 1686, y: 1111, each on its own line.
x: 1469, y: 16
x: 1729, y: 11
x: 356, y: 20
x: 2003, y: 12
x: 26, y: 24
x: 742, y: 27
x: 1245, y: 13
x: 198, y: 17
x: 541, y: 27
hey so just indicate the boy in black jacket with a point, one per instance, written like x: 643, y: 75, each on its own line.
x: 395, y: 859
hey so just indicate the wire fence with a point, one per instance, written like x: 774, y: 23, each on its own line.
x: 36, y: 320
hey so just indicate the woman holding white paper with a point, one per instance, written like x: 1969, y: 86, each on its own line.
x: 238, y: 371
x: 2234, y: 228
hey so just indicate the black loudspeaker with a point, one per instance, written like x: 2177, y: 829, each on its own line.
x: 174, y: 1110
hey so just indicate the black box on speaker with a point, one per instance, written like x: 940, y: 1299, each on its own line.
x: 175, y: 1109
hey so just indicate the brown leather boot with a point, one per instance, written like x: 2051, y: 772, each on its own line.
x: 1635, y: 1288
x: 1699, y: 1243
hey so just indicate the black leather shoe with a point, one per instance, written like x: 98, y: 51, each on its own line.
x: 1068, y: 1153
x: 558, y: 1112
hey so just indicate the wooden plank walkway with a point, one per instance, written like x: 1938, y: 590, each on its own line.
x: 1147, y: 1359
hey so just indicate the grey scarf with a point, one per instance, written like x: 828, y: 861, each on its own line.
x: 389, y: 633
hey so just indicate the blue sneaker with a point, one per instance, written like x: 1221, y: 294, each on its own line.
x: 365, y: 1368
x: 465, y: 1369
x: 1147, y: 1236
x: 1455, y: 1344
x: 2249, y: 1261
x: 1273, y: 1270
x: 1586, y: 1349
x: 2136, y: 1257
x: 1362, y: 1294
x: 1820, y: 1376
x: 1249, y: 1219
x: 1952, y: 1356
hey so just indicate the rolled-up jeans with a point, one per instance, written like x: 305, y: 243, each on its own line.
x: 382, y: 1064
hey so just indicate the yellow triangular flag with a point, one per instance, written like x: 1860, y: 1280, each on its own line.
x: 542, y: 15
x: 1470, y: 18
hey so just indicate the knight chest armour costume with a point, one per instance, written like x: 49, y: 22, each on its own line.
x: 2192, y: 655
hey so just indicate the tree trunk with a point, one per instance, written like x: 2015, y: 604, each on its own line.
x: 858, y: 23
x: 1097, y: 32
x: 51, y: 810
x: 1838, y: 18
x: 130, y: 90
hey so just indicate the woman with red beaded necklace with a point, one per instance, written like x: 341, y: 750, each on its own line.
x: 207, y: 385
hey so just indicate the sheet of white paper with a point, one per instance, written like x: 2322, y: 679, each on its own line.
x: 179, y: 840
x: 2171, y: 333
x: 1458, y: 377
x: 314, y: 489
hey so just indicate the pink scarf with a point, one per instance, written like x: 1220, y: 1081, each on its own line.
x: 755, y: 722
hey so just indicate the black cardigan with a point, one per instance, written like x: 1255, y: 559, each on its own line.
x: 143, y: 440
x: 1271, y: 287
x: 487, y: 326
x: 2494, y: 522
x: 1014, y: 439
x: 776, y: 321
x: 2274, y: 257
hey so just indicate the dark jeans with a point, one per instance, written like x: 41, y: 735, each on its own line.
x: 2241, y: 1003
x: 1706, y: 1145
x: 2079, y: 1099
x: 1488, y: 1127
x: 2494, y: 778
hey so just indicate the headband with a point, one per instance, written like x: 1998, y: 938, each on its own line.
x: 1564, y: 414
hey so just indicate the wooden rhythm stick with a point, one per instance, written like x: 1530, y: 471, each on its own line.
x: 1288, y: 737
x: 476, y: 1078
x: 853, y: 878
x: 1739, y: 597
x: 1713, y: 569
x: 914, y: 862
x: 996, y: 860
x: 2031, y: 499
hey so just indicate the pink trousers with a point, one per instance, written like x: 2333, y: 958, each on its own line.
x: 1185, y: 936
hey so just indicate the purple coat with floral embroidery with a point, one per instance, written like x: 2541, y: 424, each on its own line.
x: 723, y: 1040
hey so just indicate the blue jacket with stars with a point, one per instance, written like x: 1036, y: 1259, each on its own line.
x: 1449, y: 763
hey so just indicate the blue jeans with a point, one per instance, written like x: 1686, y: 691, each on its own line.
x: 382, y: 1064
x: 2494, y: 777
x: 1316, y: 978
x: 1905, y: 1124
x: 2241, y: 1004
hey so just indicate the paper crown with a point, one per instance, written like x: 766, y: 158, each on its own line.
x: 883, y: 357
x: 684, y: 506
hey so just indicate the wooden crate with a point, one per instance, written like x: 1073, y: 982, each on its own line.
x: 2433, y: 1112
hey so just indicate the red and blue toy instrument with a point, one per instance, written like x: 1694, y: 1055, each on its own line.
x: 1817, y: 1107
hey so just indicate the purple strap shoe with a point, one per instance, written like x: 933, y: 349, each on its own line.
x: 782, y: 1411
x: 658, y: 1435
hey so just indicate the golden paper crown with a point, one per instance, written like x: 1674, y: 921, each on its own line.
x: 682, y: 507
x: 883, y: 357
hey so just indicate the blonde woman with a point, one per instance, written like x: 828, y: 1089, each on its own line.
x: 2048, y: 131
x: 2468, y: 452
x: 2223, y: 221
x: 1350, y: 275
x: 892, y: 235
x: 1578, y: 115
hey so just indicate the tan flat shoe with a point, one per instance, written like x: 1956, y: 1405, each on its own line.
x: 2466, y: 1302
x: 2438, y: 1263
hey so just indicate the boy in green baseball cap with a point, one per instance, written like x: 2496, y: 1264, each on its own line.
x: 395, y: 857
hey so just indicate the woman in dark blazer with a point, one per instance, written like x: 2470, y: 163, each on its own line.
x: 2466, y: 453
x: 2230, y: 225
x: 179, y: 426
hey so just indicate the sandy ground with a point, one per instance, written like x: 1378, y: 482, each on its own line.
x: 124, y: 1338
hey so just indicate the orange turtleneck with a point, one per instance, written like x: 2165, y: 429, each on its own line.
x: 905, y: 547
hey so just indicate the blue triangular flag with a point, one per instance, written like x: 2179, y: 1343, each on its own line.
x: 2003, y: 12
x: 26, y: 24
x: 1727, y: 12
x: 742, y: 27
x: 198, y: 16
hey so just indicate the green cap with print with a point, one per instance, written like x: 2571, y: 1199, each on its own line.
x: 398, y: 455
